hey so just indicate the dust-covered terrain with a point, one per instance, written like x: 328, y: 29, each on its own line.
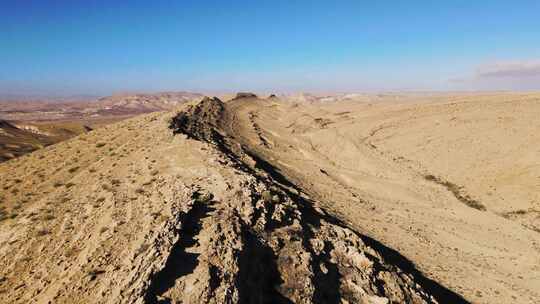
x: 353, y: 199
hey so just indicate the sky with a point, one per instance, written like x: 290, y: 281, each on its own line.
x: 101, y: 47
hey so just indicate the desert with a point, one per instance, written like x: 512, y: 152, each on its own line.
x: 270, y: 152
x: 215, y: 199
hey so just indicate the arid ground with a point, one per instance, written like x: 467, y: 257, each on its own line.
x: 28, y: 124
x: 391, y: 198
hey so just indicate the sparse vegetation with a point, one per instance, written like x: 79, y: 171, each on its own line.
x: 42, y: 232
x: 93, y: 273
x: 3, y: 213
x: 57, y: 184
x: 48, y: 217
x: 456, y: 190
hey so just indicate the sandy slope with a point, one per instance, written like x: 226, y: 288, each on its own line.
x: 258, y: 201
x: 415, y: 174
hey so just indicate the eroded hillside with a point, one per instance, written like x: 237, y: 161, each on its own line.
x: 449, y: 181
x: 260, y: 201
x: 132, y: 213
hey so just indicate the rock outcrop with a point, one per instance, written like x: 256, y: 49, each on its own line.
x: 241, y: 95
x: 270, y: 243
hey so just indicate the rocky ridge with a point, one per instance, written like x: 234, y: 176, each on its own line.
x: 173, y: 208
x: 276, y: 244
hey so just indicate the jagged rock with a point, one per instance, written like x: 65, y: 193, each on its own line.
x: 241, y: 95
x: 286, y: 250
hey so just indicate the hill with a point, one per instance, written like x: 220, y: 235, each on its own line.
x: 36, y: 123
x: 170, y: 207
x: 274, y: 201
x: 125, y: 104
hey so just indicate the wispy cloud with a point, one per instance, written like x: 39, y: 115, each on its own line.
x: 519, y: 75
x: 509, y: 69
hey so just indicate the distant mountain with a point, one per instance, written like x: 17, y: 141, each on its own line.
x: 115, y: 105
x: 143, y: 103
x: 312, y: 98
x: 46, y: 98
x: 36, y: 121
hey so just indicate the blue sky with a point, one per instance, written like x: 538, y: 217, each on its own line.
x: 100, y: 47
